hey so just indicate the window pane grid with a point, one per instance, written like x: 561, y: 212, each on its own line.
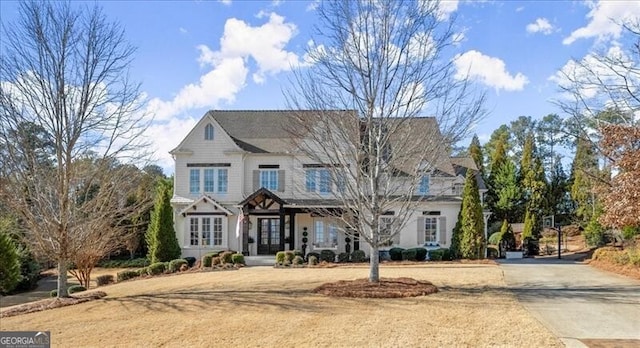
x: 193, y: 228
x: 206, y: 231
x: 217, y: 231
x: 430, y: 229
x: 222, y: 180
x: 194, y: 180
x: 209, y: 180
x: 269, y: 179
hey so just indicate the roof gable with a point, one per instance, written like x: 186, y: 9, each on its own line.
x: 198, y: 131
x: 207, y: 201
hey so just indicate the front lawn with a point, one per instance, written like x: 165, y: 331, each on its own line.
x: 263, y: 306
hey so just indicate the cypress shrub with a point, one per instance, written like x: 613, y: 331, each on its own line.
x: 238, y: 259
x: 161, y: 236
x: 9, y: 263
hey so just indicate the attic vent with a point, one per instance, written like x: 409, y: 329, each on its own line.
x: 433, y: 213
x: 269, y: 166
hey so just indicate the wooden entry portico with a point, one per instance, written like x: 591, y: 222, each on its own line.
x: 271, y: 213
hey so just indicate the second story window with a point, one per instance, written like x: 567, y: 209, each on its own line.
x: 215, y: 180
x: 423, y: 189
x: 457, y: 189
x: 269, y: 179
x: 318, y: 180
x: 208, y: 132
x: 194, y: 181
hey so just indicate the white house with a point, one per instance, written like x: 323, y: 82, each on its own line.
x: 241, y: 165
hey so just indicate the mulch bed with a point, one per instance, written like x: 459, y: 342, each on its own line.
x: 386, y: 288
x: 51, y: 303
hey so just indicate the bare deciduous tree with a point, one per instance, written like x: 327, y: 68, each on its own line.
x: 64, y: 69
x: 385, y: 63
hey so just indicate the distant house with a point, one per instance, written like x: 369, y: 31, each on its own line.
x: 241, y: 165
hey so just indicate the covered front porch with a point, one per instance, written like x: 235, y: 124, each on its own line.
x: 269, y: 224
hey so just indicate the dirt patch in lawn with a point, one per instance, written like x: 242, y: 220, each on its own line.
x: 385, y: 288
x: 50, y: 303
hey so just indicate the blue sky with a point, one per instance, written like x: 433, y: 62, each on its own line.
x: 198, y: 55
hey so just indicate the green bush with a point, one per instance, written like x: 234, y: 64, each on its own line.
x: 446, y: 254
x: 29, y: 270
x: 409, y: 254
x: 104, y: 279
x: 226, y: 257
x: 327, y: 255
x: 358, y: 256
x: 280, y: 257
x: 206, y: 260
x: 313, y: 260
x: 436, y: 255
x: 53, y: 293
x: 298, y: 253
x: 594, y: 233
x: 133, y: 263
x: 298, y: 260
x: 396, y: 254
x: 317, y: 255
x: 156, y: 268
x: 630, y: 232
x: 76, y: 288
x: 127, y: 274
x: 492, y: 252
x: 216, y: 260
x: 343, y: 257
x: 421, y: 254
x: 289, y: 255
x: 190, y: 261
x: 238, y: 259
x: 174, y: 265
x: 142, y: 271
x: 9, y: 263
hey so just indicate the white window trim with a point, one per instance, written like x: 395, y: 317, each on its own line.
x: 437, y: 232
x: 187, y: 235
x: 325, y: 225
x: 317, y: 181
x: 206, y: 132
x: 261, y: 171
x: 201, y: 180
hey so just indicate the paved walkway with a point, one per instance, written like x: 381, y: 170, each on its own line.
x: 578, y: 303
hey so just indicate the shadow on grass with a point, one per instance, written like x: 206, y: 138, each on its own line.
x: 198, y: 300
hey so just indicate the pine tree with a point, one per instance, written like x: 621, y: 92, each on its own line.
x: 161, y: 237
x: 508, y: 193
x: 9, y: 263
x: 456, y: 234
x: 472, y: 226
x: 498, y: 159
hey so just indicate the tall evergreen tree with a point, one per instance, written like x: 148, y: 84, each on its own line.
x: 475, y: 151
x: 583, y: 172
x: 456, y: 235
x: 161, y: 237
x: 532, y: 180
x: 498, y: 158
x: 9, y: 263
x: 472, y: 226
x: 507, y: 192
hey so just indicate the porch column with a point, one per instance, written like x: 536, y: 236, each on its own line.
x: 281, y: 212
x: 292, y: 230
x: 245, y: 232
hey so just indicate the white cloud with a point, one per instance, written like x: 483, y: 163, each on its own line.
x: 165, y: 136
x: 520, y: 9
x: 446, y: 8
x: 605, y: 20
x: 225, y: 2
x: 276, y: 3
x: 591, y: 72
x: 182, y: 30
x: 313, y: 5
x: 541, y: 25
x: 488, y: 70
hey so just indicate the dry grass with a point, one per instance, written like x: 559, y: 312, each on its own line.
x: 266, y: 307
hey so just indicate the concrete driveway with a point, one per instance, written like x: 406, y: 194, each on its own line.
x: 583, y: 306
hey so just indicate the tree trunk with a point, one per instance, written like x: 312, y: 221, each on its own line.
x: 374, y: 265
x: 62, y: 279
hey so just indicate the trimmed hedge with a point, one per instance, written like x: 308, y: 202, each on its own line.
x: 313, y: 260
x: 421, y: 254
x: 190, y: 261
x: 143, y: 271
x: 441, y: 254
x: 289, y: 255
x: 226, y: 257
x: 206, y: 260
x: 343, y: 257
x: 316, y: 255
x: 396, y: 254
x: 327, y: 255
x: 280, y: 257
x: 409, y: 254
x: 76, y: 288
x: 358, y: 256
x: 298, y: 260
x: 238, y: 259
x: 174, y: 265
x: 133, y: 263
x: 104, y: 279
x: 156, y: 268
x: 127, y: 274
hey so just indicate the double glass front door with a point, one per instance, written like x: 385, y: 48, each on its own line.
x: 269, y: 238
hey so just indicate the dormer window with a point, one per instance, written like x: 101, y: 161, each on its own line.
x: 423, y: 189
x: 208, y: 132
